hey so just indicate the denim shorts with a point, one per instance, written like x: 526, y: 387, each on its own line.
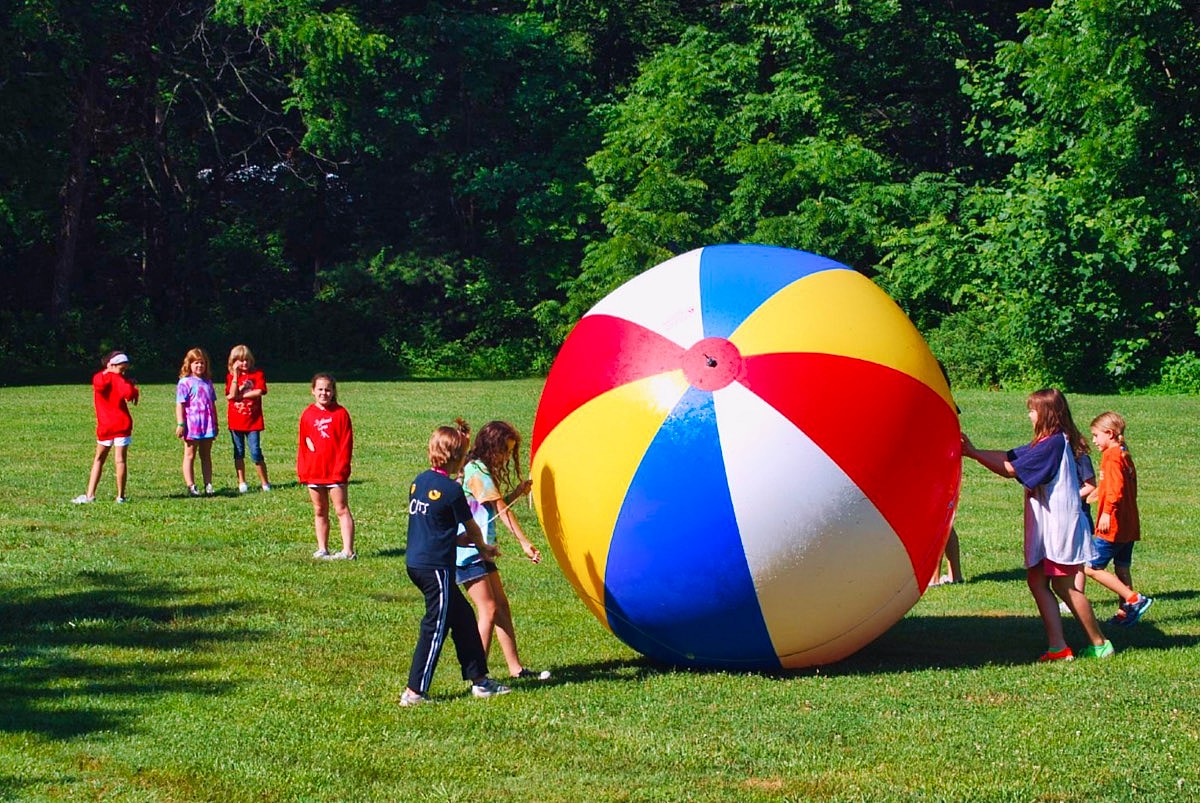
x: 474, y: 571
x: 240, y: 439
x: 1121, y: 554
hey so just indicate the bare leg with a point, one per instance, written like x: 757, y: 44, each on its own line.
x: 189, y: 463
x: 97, y: 468
x: 239, y: 466
x: 206, y: 460
x: 1080, y: 608
x: 952, y: 557
x: 121, y: 469
x: 506, y: 632
x: 480, y: 592
x: 320, y: 503
x: 340, y: 496
x: 1047, y: 606
x: 1111, y: 582
x: 262, y: 474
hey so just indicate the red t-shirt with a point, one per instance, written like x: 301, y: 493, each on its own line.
x: 245, y: 415
x: 111, y: 393
x: 326, y: 445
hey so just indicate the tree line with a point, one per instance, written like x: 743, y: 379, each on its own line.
x: 431, y: 189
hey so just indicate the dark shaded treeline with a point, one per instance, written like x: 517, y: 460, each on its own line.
x: 438, y: 189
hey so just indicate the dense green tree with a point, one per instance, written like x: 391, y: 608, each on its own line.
x: 792, y: 123
x: 1084, y: 243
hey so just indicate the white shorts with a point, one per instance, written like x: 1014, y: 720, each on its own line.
x: 125, y: 441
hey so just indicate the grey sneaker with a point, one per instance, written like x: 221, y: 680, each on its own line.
x: 488, y: 688
x: 321, y: 554
x: 83, y: 499
x: 344, y: 555
x: 411, y: 698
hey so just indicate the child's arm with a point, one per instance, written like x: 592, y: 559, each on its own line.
x: 994, y: 460
x: 506, y: 515
x: 474, y: 537
x: 180, y: 421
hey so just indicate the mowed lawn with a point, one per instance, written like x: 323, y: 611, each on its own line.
x: 177, y: 649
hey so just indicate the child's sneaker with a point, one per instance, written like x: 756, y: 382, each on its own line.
x: 411, y: 698
x: 83, y: 499
x: 193, y: 490
x: 1064, y: 609
x: 343, y: 555
x: 1064, y: 654
x: 122, y: 500
x: 321, y: 554
x: 266, y: 486
x: 488, y: 688
x: 1104, y: 650
x: 208, y: 490
x: 1133, y: 610
x: 533, y: 674
x: 243, y: 488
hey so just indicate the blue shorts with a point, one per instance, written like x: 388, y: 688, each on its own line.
x: 1121, y: 554
x: 240, y: 439
x: 474, y: 571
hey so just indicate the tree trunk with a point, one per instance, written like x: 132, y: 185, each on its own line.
x: 73, y: 191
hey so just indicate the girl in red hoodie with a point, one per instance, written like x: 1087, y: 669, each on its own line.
x: 111, y: 392
x: 323, y: 464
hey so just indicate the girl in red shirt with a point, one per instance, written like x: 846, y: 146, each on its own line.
x: 111, y: 392
x: 323, y: 464
x: 244, y: 389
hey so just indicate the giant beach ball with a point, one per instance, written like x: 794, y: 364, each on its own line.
x: 746, y: 458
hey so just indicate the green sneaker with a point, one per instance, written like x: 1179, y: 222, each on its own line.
x: 1105, y: 650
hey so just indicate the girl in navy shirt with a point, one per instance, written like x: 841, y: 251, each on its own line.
x: 1057, y: 534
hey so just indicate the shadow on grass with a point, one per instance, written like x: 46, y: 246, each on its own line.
x: 915, y: 643
x: 53, y: 684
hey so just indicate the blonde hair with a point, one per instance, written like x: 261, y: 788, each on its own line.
x: 448, y: 445
x: 241, y: 352
x: 1111, y: 422
x: 191, y: 357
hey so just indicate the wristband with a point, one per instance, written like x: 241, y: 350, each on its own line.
x: 180, y: 424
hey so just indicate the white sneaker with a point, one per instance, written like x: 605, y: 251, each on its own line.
x: 243, y: 487
x: 208, y: 490
x: 266, y: 486
x: 321, y: 554
x: 121, y: 500
x: 409, y: 699
x: 488, y: 688
x: 83, y: 499
x: 193, y: 490
x: 344, y: 555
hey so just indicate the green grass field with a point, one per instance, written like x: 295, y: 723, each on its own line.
x: 177, y: 649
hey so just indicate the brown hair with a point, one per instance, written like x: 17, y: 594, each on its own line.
x: 1054, y: 415
x: 332, y: 385
x: 491, y: 449
x: 189, y: 358
x: 241, y: 352
x: 1111, y: 422
x: 447, y: 445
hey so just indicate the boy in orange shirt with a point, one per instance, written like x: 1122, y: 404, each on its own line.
x: 1118, y: 525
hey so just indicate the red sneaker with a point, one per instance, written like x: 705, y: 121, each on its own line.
x: 1064, y: 654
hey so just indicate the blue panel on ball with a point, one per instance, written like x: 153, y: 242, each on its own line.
x: 736, y: 279
x: 677, y: 586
